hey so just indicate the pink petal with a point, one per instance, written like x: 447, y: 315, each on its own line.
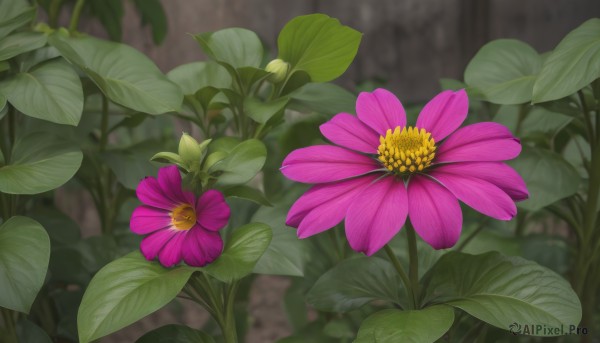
x: 497, y: 173
x: 150, y: 193
x: 444, y: 113
x: 169, y: 179
x: 326, y: 163
x: 212, y: 212
x: 346, y: 130
x: 324, y: 206
x: 434, y: 212
x: 376, y: 215
x: 146, y: 219
x: 152, y: 244
x: 201, y: 247
x: 479, y: 194
x: 381, y: 110
x: 171, y: 253
x: 479, y: 143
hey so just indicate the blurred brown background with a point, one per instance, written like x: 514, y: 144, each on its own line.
x: 410, y: 44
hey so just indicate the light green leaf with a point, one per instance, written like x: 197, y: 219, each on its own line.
x: 234, y: 46
x: 174, y: 333
x: 319, y: 45
x: 548, y: 176
x: 241, y: 252
x: 248, y: 193
x: 24, y: 256
x: 40, y: 162
x: 355, y: 282
x: 19, y: 43
x: 244, y: 161
x: 125, y: 75
x: 504, y: 71
x: 192, y: 77
x: 416, y: 326
x: 286, y: 254
x: 14, y: 14
x: 325, y: 98
x: 573, y: 64
x: 260, y: 111
x: 51, y: 92
x: 124, y: 291
x: 501, y: 290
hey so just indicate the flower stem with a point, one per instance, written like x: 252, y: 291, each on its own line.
x: 413, y: 271
x: 403, y: 276
x: 75, y: 15
x: 104, y: 124
x: 10, y: 327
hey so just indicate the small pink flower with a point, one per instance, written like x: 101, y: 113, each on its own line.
x: 177, y: 226
x: 383, y: 171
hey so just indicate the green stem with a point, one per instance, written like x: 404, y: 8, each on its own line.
x: 229, y: 328
x: 53, y: 12
x: 10, y: 326
x: 75, y: 15
x: 522, y: 114
x: 413, y: 271
x: 586, y: 117
x: 104, y: 124
x: 403, y: 276
x: 472, y: 235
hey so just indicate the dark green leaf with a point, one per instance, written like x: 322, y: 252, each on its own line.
x: 174, y: 333
x: 124, y: 291
x: 325, y: 98
x: 19, y: 43
x: 248, y: 193
x: 27, y: 332
x: 110, y: 13
x: 260, y: 111
x: 153, y: 13
x: 234, y: 46
x: 24, y: 255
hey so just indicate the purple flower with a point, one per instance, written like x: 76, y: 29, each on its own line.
x: 382, y: 171
x: 176, y: 224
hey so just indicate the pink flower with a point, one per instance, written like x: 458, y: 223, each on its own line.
x: 382, y: 171
x: 178, y: 227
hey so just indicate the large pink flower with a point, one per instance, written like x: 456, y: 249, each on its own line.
x: 178, y: 227
x: 382, y: 171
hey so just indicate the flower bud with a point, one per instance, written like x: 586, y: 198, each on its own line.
x: 190, y: 151
x: 278, y: 69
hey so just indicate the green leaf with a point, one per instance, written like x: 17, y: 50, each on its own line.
x: 132, y: 164
x: 417, y: 326
x: 19, y: 43
x: 24, y: 256
x: 248, y: 193
x: 174, y: 333
x: 325, y: 98
x: 110, y: 13
x: 124, y: 291
x: 244, y: 161
x: 573, y: 64
x: 234, y: 46
x: 260, y: 111
x: 504, y: 71
x: 355, y: 282
x: 501, y: 290
x: 319, y: 45
x: 27, y: 332
x: 250, y: 75
x: 192, y: 77
x: 40, y: 162
x: 539, y: 120
x: 14, y: 14
x: 152, y: 13
x: 125, y: 75
x: 548, y: 176
x: 241, y: 252
x: 286, y: 254
x: 51, y: 92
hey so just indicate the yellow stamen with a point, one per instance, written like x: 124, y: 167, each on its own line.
x: 406, y: 150
x: 183, y: 217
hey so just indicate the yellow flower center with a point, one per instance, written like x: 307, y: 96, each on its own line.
x: 183, y: 217
x: 407, y: 150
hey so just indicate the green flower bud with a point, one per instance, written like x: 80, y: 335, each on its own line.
x: 190, y: 151
x: 278, y: 69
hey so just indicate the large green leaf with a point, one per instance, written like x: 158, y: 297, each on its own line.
x: 504, y: 71
x: 355, y: 282
x: 244, y: 161
x: 573, y: 64
x: 502, y: 290
x: 125, y: 75
x: 416, y: 326
x: 14, y: 14
x: 40, y: 162
x: 19, y: 43
x: 241, y: 252
x: 234, y: 46
x: 51, y: 92
x: 24, y: 256
x: 192, y: 77
x: 319, y: 45
x: 549, y: 177
x: 261, y: 111
x: 174, y: 333
x: 124, y: 291
x: 286, y: 255
x: 325, y: 98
